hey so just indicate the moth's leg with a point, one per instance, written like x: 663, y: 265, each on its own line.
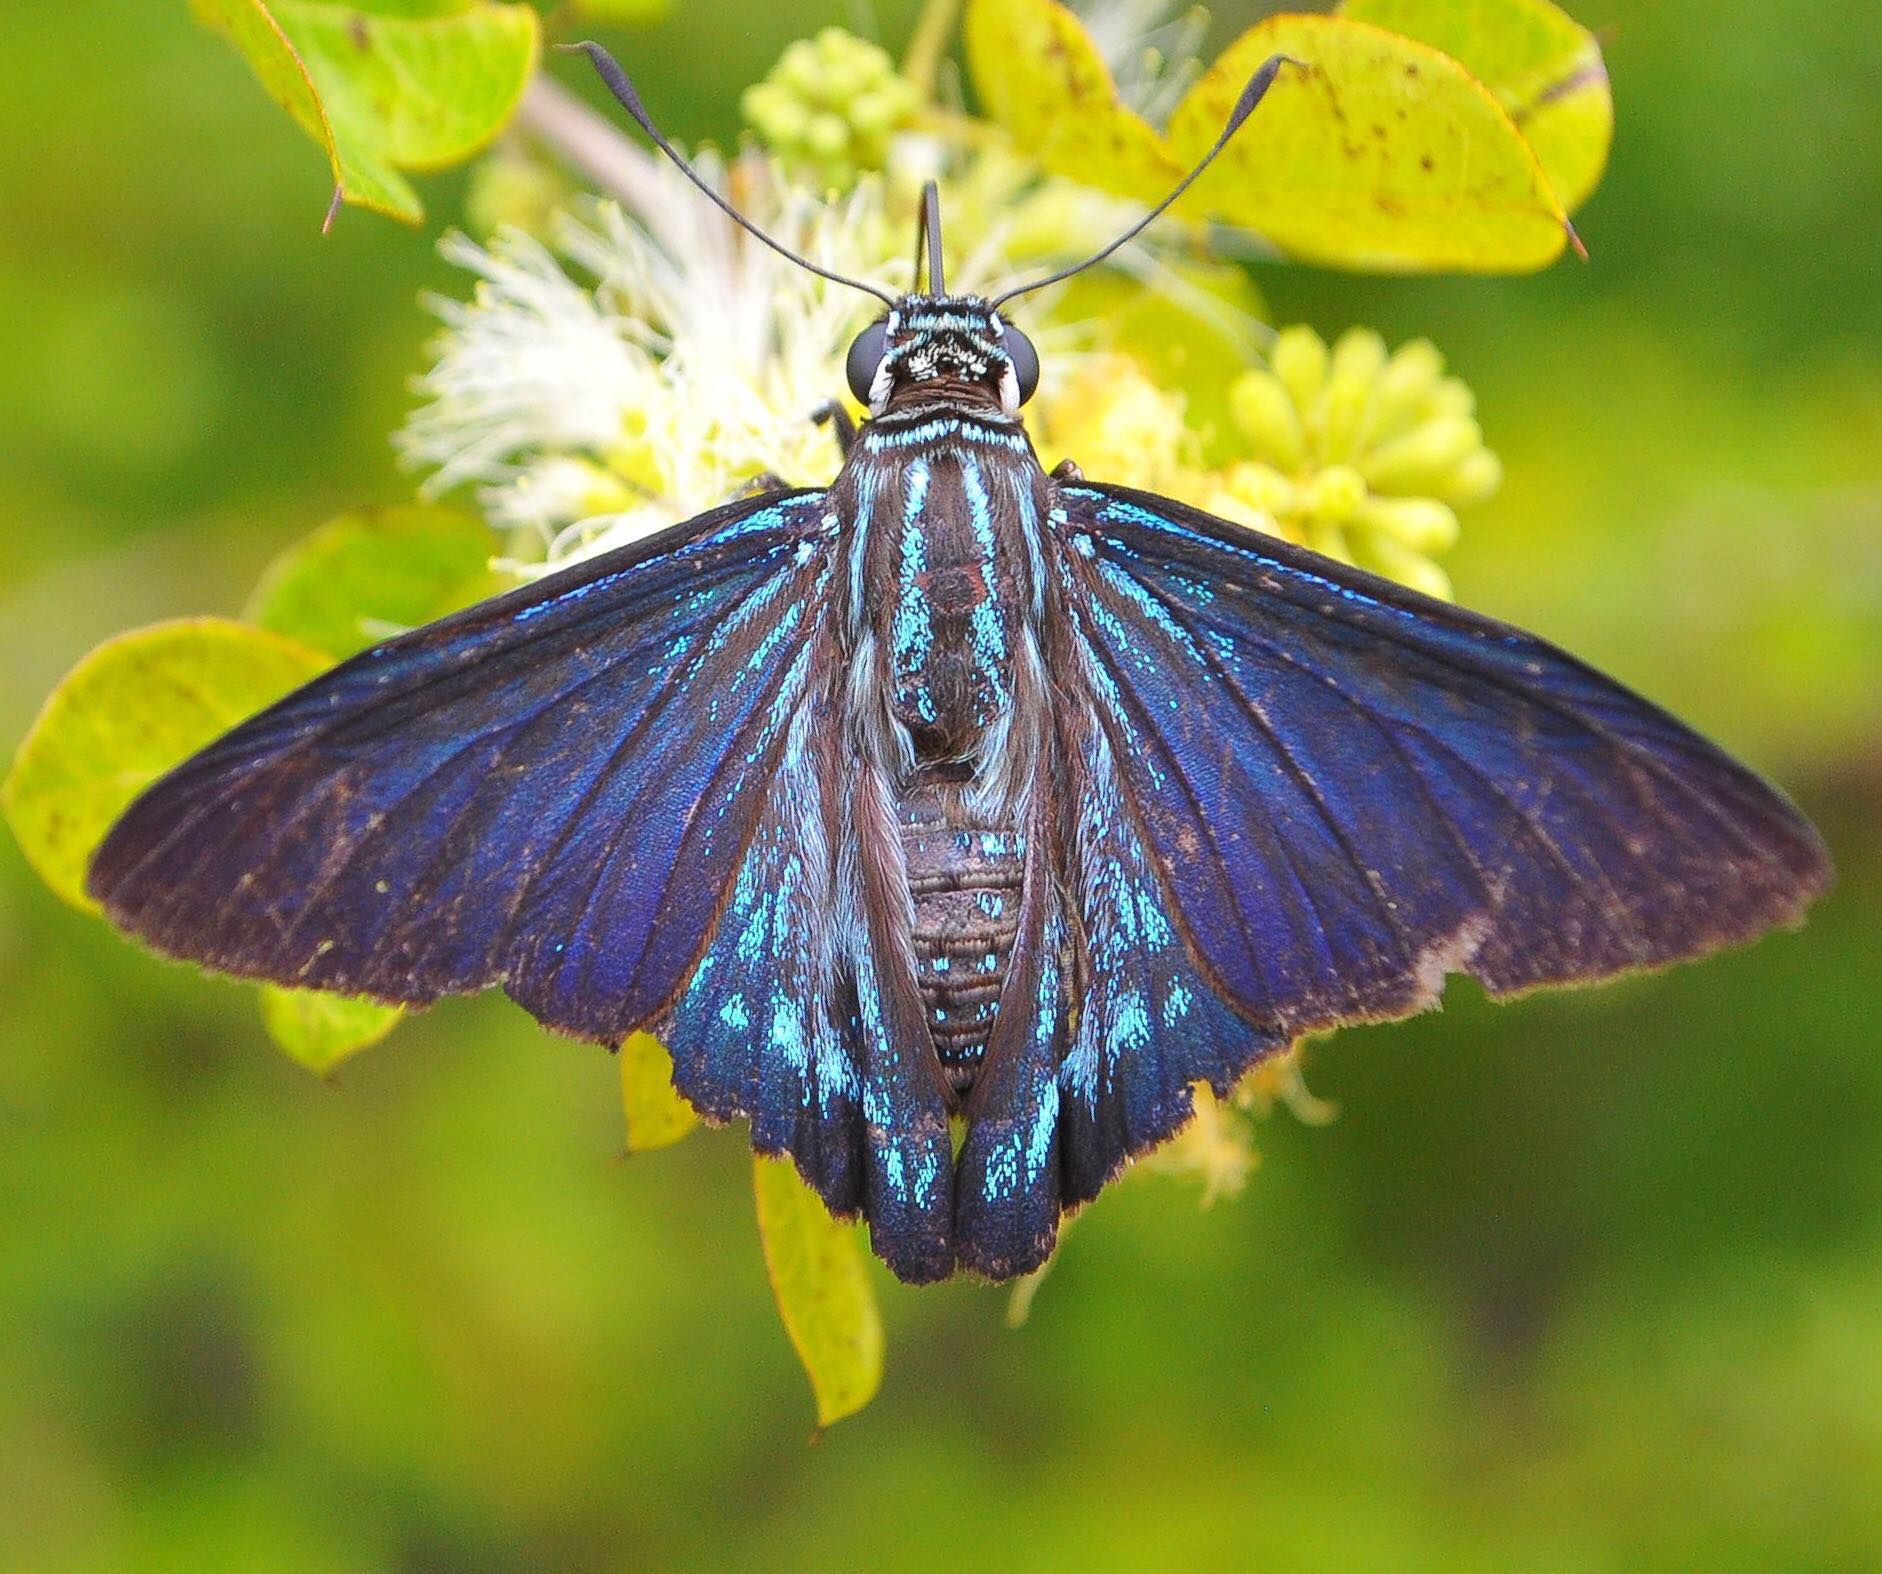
x: 834, y: 416
x: 764, y: 481
x: 1065, y: 470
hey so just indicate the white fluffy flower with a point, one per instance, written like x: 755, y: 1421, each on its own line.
x: 686, y: 363
x: 531, y: 363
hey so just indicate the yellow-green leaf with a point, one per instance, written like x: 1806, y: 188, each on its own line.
x: 1039, y: 75
x: 387, y: 85
x: 364, y: 576
x: 1542, y: 65
x: 133, y: 708
x: 657, y: 1117
x: 1385, y: 155
x: 822, y: 1288
x: 320, y: 1030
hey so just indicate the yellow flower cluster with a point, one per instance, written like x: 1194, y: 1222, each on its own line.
x: 1359, y: 453
x: 1110, y: 418
x: 1217, y: 1147
x: 829, y: 106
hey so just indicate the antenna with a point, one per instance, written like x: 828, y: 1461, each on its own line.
x: 611, y: 73
x: 1252, y: 94
x: 928, y: 237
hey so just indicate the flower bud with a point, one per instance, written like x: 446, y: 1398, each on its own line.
x: 1425, y: 457
x: 1452, y: 396
x: 1395, y: 561
x: 876, y: 112
x: 1360, y: 454
x: 1404, y: 390
x: 830, y: 106
x: 1352, y: 371
x: 774, y: 112
x: 826, y: 136
x: 1213, y: 498
x: 1299, y: 359
x: 1267, y: 415
x: 1264, y: 488
x: 801, y: 69
x: 1335, y: 494
x: 1477, y: 477
x: 1420, y: 523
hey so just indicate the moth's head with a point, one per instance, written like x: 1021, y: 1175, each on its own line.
x: 957, y: 345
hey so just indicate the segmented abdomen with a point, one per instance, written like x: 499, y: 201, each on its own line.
x: 964, y: 882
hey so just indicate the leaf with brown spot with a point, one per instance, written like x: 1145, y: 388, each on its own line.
x: 128, y: 712
x: 1541, y: 65
x: 1455, y: 187
x: 1039, y: 75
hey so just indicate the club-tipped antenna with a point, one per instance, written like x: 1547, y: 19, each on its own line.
x: 610, y: 72
x: 1252, y: 94
x: 928, y: 239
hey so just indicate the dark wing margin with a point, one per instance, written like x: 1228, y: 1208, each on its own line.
x: 551, y: 790
x: 1351, y: 790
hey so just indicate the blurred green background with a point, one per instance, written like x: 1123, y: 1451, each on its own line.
x: 1585, y: 1282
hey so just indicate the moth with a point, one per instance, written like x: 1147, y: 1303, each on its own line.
x: 951, y: 822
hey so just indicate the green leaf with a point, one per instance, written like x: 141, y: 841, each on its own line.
x: 657, y: 1117
x: 387, y: 85
x: 363, y: 576
x: 1386, y: 155
x: 1039, y: 75
x: 320, y: 1030
x: 822, y: 1288
x: 136, y: 706
x: 1542, y: 65
x: 132, y: 709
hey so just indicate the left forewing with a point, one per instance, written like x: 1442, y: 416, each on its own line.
x: 551, y: 790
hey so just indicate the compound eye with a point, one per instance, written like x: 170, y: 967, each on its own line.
x: 1025, y: 361
x: 864, y: 358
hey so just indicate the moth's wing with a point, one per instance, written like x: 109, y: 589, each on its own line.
x: 1343, y: 791
x: 804, y: 1011
x: 765, y: 1023
x: 1150, y: 1020
x: 551, y: 790
x: 1106, y: 1018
